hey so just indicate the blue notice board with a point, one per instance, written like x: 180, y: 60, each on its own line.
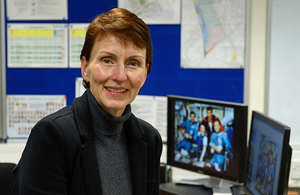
x: 167, y: 77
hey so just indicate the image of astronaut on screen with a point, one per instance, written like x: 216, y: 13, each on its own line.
x: 267, y: 161
x: 204, y: 135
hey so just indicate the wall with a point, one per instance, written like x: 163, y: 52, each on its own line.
x: 282, y: 99
x: 257, y: 54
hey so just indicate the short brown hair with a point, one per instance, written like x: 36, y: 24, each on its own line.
x: 125, y: 26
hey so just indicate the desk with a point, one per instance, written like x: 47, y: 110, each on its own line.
x: 173, y: 189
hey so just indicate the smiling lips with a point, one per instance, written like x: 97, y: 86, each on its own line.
x: 116, y: 90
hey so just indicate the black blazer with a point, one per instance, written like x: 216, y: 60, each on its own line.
x: 60, y: 157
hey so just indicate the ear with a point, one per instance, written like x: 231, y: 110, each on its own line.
x: 84, y: 66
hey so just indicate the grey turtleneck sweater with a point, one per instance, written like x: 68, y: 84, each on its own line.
x: 111, y: 149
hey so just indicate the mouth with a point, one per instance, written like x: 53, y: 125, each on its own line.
x: 116, y: 90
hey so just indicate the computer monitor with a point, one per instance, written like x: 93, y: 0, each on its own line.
x: 269, y: 156
x: 208, y: 137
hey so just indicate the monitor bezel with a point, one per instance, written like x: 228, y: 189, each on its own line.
x: 286, y: 152
x: 242, y: 142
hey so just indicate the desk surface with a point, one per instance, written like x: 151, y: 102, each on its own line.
x: 191, y: 187
x: 172, y: 189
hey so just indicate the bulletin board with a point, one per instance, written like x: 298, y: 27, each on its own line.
x: 167, y: 77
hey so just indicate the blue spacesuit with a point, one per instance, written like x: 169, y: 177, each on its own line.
x: 191, y: 130
x: 220, y: 140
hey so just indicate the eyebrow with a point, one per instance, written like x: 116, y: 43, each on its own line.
x: 115, y: 56
x: 107, y: 53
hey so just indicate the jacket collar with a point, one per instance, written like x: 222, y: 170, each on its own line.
x: 136, y: 146
x: 88, y: 158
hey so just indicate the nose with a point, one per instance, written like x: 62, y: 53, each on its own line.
x: 120, y: 73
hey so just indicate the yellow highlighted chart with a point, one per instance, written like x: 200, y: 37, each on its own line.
x: 37, y: 45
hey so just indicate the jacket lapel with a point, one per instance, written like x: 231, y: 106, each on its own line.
x: 90, y: 169
x: 89, y: 165
x: 137, y: 155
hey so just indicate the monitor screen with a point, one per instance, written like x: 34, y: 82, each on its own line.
x: 207, y: 136
x: 269, y: 155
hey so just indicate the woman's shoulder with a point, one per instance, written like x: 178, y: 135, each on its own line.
x: 150, y: 131
x: 63, y: 112
x: 147, y: 127
x: 62, y: 117
x: 58, y: 127
x: 60, y: 122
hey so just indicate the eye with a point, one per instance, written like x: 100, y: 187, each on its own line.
x: 133, y: 63
x: 106, y: 61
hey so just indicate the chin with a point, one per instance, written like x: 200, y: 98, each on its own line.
x: 117, y: 106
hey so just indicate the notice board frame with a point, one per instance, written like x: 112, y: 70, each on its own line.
x: 167, y: 77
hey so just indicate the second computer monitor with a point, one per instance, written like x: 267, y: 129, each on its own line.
x: 269, y: 156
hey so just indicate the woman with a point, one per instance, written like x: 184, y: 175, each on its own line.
x: 97, y: 146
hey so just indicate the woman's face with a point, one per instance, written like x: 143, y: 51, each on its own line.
x: 202, y: 129
x: 116, y: 72
x: 217, y: 126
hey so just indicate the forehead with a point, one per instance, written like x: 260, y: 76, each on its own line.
x: 217, y: 122
x: 111, y: 42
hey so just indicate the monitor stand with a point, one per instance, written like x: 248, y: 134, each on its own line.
x: 218, y: 186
